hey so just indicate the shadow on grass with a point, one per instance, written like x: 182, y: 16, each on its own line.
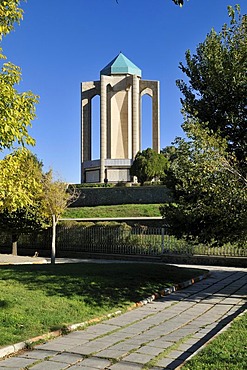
x: 3, y: 304
x: 97, y: 283
x: 219, y: 353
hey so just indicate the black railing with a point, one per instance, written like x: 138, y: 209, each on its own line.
x: 122, y: 239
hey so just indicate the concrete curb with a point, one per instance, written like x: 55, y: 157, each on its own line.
x: 11, y: 349
x: 172, y: 289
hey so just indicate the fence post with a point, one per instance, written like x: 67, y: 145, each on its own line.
x: 162, y: 239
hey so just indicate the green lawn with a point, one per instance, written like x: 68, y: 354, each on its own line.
x: 124, y: 210
x: 35, y: 299
x: 228, y: 351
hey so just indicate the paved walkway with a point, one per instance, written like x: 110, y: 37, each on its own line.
x: 10, y: 259
x: 160, y: 335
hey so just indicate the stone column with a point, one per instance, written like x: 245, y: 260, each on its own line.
x: 129, y: 90
x: 103, y: 125
x: 85, y: 129
x: 156, y: 117
x: 135, y: 117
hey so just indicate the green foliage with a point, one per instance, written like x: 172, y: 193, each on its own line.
x: 209, y: 193
x: 20, y: 181
x: 22, y: 221
x: 20, y: 194
x: 55, y: 197
x: 17, y: 110
x: 207, y: 175
x: 21, y: 173
x: 29, y: 198
x: 216, y: 93
x: 10, y: 13
x: 92, y: 185
x: 147, y: 165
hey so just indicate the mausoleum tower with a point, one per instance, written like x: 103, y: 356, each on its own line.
x: 120, y: 89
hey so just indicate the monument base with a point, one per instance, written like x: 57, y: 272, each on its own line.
x: 115, y: 170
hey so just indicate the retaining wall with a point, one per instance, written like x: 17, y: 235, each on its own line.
x: 122, y: 195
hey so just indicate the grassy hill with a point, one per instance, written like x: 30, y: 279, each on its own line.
x: 123, y: 210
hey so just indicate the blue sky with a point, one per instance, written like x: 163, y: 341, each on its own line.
x: 61, y: 43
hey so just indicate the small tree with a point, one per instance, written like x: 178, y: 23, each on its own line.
x: 20, y: 192
x: 57, y: 196
x: 147, y: 165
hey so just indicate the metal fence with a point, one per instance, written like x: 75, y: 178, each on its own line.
x: 123, y: 239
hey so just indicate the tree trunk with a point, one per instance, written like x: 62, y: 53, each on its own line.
x: 14, y: 244
x: 53, y: 243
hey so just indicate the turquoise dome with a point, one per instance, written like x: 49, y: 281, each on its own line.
x: 121, y: 65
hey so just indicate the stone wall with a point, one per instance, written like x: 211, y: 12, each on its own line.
x: 122, y: 195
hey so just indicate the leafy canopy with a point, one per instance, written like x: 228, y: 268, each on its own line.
x: 20, y: 180
x: 208, y: 174
x: 17, y: 110
x: 56, y: 196
x: 147, y: 165
x: 216, y: 92
x: 209, y: 193
x: 10, y: 13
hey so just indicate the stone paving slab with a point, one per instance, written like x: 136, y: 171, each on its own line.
x: 112, y: 353
x: 149, y: 350
x: 95, y: 363
x: 38, y: 354
x: 17, y: 362
x: 49, y: 365
x: 166, y: 331
x: 125, y: 366
x: 139, y: 358
x: 67, y: 358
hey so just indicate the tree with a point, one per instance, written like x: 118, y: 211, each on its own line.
x: 17, y: 110
x: 216, y: 93
x: 27, y: 196
x: 207, y: 174
x: 209, y: 193
x: 10, y: 13
x: 22, y: 221
x: 56, y: 197
x: 147, y: 165
x: 20, y: 180
x: 20, y: 194
x: 30, y: 205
